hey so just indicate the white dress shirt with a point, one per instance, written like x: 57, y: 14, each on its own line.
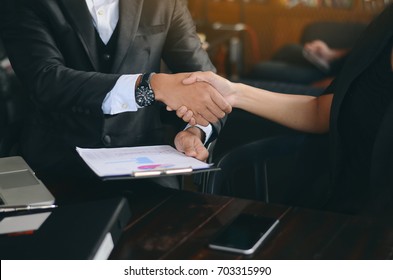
x: 105, y: 15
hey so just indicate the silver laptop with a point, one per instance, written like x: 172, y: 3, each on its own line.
x: 20, y: 186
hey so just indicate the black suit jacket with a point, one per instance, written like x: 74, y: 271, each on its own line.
x: 367, y: 49
x: 52, y: 47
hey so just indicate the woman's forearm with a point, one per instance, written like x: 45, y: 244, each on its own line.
x: 301, y: 112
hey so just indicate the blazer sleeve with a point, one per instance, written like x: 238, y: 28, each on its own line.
x: 183, y: 51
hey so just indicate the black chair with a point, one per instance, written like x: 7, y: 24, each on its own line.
x: 336, y: 34
x: 250, y: 162
x: 286, y: 169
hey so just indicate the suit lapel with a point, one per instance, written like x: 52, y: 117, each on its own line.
x: 81, y: 20
x: 367, y: 49
x: 375, y: 41
x: 129, y: 16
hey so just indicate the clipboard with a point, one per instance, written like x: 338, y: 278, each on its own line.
x: 141, y: 162
x: 160, y: 173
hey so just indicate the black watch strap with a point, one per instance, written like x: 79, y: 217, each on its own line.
x: 145, y: 80
x: 144, y: 94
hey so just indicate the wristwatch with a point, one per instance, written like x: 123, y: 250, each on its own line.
x: 144, y: 94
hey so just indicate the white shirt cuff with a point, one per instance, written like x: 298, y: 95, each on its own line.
x: 121, y: 98
x: 207, y: 129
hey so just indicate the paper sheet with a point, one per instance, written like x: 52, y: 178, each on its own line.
x: 106, y: 162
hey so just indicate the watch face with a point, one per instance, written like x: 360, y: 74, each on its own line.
x: 144, y: 96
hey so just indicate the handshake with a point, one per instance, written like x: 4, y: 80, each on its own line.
x: 198, y: 98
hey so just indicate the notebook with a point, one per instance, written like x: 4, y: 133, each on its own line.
x: 20, y: 186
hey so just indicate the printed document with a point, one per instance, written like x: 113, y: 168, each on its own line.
x: 139, y: 161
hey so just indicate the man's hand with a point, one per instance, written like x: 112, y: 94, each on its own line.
x: 204, y: 101
x: 190, y: 143
x: 185, y: 114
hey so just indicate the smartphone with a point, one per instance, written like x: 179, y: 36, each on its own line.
x: 245, y: 234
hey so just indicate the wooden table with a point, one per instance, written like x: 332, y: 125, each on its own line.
x: 168, y: 224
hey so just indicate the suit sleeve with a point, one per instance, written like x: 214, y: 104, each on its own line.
x: 183, y: 50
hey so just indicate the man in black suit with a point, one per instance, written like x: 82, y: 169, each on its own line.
x: 88, y: 68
